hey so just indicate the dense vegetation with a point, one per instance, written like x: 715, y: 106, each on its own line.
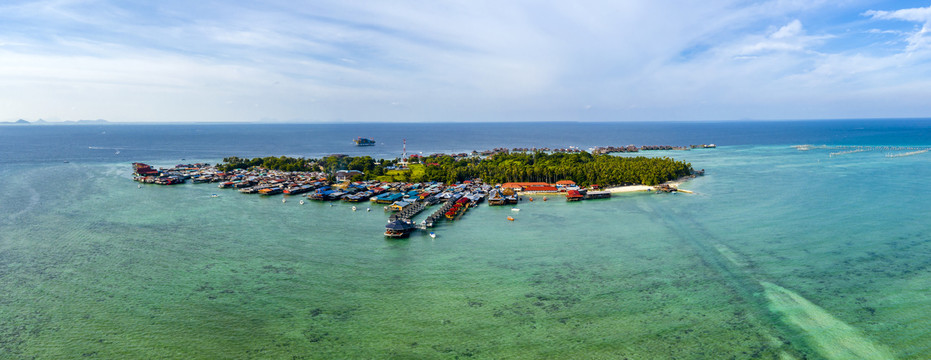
x: 329, y: 164
x: 583, y: 168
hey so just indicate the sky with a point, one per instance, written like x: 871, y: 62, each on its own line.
x: 471, y: 60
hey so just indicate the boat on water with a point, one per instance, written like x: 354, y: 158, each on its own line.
x: 515, y: 209
x: 510, y: 218
x: 270, y: 191
x: 361, y: 141
x: 433, y: 235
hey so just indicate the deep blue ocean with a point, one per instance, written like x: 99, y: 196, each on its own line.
x: 778, y: 252
x: 33, y: 143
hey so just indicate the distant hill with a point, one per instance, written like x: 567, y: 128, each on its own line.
x: 67, y: 122
x: 17, y: 122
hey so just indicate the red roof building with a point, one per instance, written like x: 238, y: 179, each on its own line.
x: 574, y: 195
x: 522, y: 185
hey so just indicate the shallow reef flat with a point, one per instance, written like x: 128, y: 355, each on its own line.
x: 777, y: 254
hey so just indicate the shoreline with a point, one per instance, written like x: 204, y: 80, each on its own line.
x: 621, y: 189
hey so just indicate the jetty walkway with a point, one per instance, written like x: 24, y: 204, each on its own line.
x: 891, y: 151
x: 441, y: 212
x: 414, y: 209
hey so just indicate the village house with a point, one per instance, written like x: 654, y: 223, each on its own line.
x: 346, y: 175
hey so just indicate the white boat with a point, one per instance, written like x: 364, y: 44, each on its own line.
x: 433, y: 235
x: 368, y: 209
x: 353, y: 208
x: 214, y: 195
x: 302, y: 202
x: 515, y: 209
x: 283, y: 200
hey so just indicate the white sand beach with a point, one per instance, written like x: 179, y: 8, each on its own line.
x: 630, y: 188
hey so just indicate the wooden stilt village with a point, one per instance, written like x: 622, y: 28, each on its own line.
x: 402, y: 200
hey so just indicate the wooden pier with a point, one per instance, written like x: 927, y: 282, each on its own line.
x: 414, y: 209
x: 441, y: 212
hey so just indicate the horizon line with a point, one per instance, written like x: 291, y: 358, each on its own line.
x: 107, y: 122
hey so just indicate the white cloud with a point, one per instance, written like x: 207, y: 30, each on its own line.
x: 790, y: 37
x: 416, y: 61
x: 791, y: 30
x: 917, y: 40
x: 913, y: 14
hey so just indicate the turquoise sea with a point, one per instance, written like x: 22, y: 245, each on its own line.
x: 778, y: 254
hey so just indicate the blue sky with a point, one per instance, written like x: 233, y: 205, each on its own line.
x: 435, y: 61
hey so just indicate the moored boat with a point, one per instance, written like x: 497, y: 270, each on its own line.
x: 361, y: 141
x: 270, y: 191
x: 299, y: 189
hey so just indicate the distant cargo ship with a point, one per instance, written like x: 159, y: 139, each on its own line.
x: 361, y: 141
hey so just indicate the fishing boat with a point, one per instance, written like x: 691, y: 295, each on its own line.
x: 361, y: 141
x: 268, y: 191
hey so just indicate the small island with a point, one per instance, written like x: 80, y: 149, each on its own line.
x: 408, y: 186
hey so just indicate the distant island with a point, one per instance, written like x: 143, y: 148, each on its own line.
x: 66, y: 122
